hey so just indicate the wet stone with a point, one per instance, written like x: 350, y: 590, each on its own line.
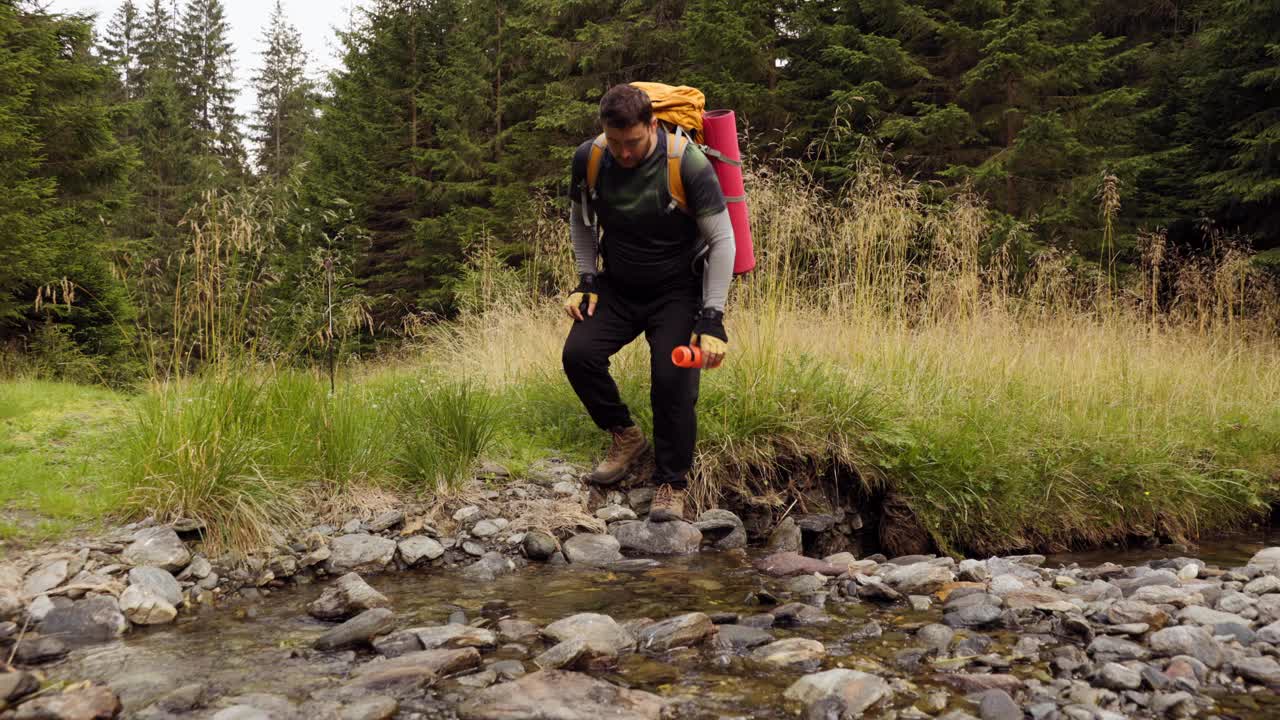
x: 741, y: 637
x: 592, y: 549
x: 786, y: 537
x: 358, y: 630
x: 667, y: 538
x: 855, y: 691
x: 347, y: 596
x: 561, y: 695
x: 998, y: 705
x: 1187, y: 640
x: 790, y: 652
x: 683, y: 630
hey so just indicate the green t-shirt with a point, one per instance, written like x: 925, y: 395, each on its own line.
x: 648, y: 249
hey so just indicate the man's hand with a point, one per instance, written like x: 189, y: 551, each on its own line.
x: 709, y: 334
x: 586, y: 290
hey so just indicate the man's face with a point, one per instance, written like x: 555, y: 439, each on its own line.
x: 629, y: 146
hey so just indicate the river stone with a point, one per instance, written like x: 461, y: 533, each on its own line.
x: 784, y: 564
x: 360, y: 552
x: 806, y: 584
x: 741, y: 637
x: 386, y: 521
x: 489, y: 567
x: 1263, y: 670
x: 372, y: 708
x: 1124, y: 612
x: 358, y: 630
x: 973, y: 616
x: 918, y: 578
x: 10, y: 604
x: 722, y: 529
x: 347, y: 596
x: 615, y: 513
x: 91, y: 620
x: 85, y: 581
x: 790, y: 652
x: 1204, y: 616
x: 786, y: 537
x: 159, y: 546
x: 454, y: 636
x: 489, y: 528
x: 397, y: 644
x: 16, y: 684
x: 242, y: 712
x: 1187, y: 640
x: 1167, y: 595
x: 998, y: 705
x: 1119, y: 677
x: 666, y: 538
x: 575, y: 654
x: 1236, y: 603
x: 516, y: 630
x: 408, y: 673
x: 158, y: 581
x: 936, y: 637
x: 685, y: 630
x: 469, y: 514
x: 144, y: 607
x: 797, y: 613
x: 46, y: 578
x: 1270, y: 633
x: 973, y: 571
x: 539, y: 545
x: 1267, y: 559
x: 35, y: 650
x: 974, y: 682
x: 1117, y: 649
x: 601, y: 632
x: 560, y: 695
x: 91, y: 703
x: 592, y: 549
x: 418, y: 548
x: 855, y: 691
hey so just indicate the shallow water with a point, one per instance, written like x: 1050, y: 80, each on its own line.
x: 265, y: 649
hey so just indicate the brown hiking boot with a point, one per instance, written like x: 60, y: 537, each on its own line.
x: 668, y: 505
x: 629, y: 444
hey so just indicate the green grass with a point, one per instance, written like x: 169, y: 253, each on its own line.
x: 55, y: 441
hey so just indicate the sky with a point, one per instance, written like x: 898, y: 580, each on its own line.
x: 315, y: 20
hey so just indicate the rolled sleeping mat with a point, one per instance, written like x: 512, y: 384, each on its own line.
x: 720, y: 130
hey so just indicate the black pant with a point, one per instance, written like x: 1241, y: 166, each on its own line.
x: 667, y: 321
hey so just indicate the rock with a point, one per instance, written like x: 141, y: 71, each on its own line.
x: 539, y: 545
x: 15, y: 685
x: 408, y: 673
x: 479, y: 680
x: 786, y: 537
x: 397, y: 644
x: 46, y: 578
x: 88, y: 703
x: 158, y: 546
x: 1123, y: 612
x: 242, y: 712
x: 489, y: 528
x: 1270, y: 633
x: 1117, y: 649
x: 666, y: 538
x: 973, y: 571
x: 359, y: 630
x: 182, y: 699
x: 10, y: 604
x: 1236, y: 631
x: 373, y: 708
x: 1263, y: 670
x: 920, y: 603
x: 936, y: 637
x: 1187, y: 640
x: 806, y: 584
x: 798, y: 614
x: 997, y: 705
x: 741, y: 637
x: 973, y: 616
x: 640, y: 499
x: 418, y: 548
x: 508, y: 669
x: 34, y: 650
x: 855, y: 691
x: 490, y: 566
x: 784, y: 564
x: 601, y: 633
x: 918, y: 578
x: 516, y: 631
x: 565, y: 488
x: 347, y: 596
x: 144, y: 607
x: 615, y: 513
x: 385, y: 521
x: 359, y: 553
x: 467, y: 515
x: 1263, y: 585
x: 873, y: 589
x: 573, y: 654
x: 592, y: 549
x: 685, y: 630
x: 159, y: 582
x: 973, y: 683
x: 1119, y: 677
x: 790, y: 652
x: 454, y: 636
x: 1178, y: 704
x: 1204, y: 616
x: 722, y: 529
x: 91, y: 620
x: 1267, y: 559
x: 563, y: 696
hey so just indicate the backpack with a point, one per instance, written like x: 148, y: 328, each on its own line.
x: 679, y: 109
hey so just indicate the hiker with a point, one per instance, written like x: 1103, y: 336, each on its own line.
x: 666, y: 273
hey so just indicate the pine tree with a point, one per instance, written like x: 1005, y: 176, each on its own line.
x: 121, y: 49
x: 206, y: 76
x: 286, y: 99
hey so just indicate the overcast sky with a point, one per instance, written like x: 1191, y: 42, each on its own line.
x: 315, y: 20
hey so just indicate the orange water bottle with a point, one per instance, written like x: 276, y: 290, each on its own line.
x: 687, y: 356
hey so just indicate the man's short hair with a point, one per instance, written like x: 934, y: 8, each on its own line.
x: 624, y: 106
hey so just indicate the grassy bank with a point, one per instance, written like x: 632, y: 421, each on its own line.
x: 1008, y: 406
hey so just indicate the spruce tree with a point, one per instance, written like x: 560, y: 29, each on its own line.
x: 206, y: 76
x: 122, y: 51
x: 286, y: 99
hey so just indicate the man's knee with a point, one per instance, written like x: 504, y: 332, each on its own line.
x: 578, y: 356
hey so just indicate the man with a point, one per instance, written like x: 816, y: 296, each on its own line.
x: 665, y: 273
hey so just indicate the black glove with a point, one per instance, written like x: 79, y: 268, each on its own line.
x: 584, y: 294
x: 711, y: 322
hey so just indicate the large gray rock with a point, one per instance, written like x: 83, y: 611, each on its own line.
x: 408, y: 673
x: 360, y: 553
x: 159, y: 546
x: 680, y: 631
x: 790, y: 652
x: 1187, y: 640
x: 46, y: 578
x: 592, y: 549
x: 490, y: 566
x: 784, y: 564
x: 560, y: 695
x: 87, y: 703
x: 601, y: 633
x: 996, y: 704
x: 539, y: 545
x: 1125, y: 612
x: 1263, y: 670
x: 143, y: 606
x: 1118, y: 677
x: 1268, y: 559
x: 918, y: 578
x: 347, y: 596
x: 854, y: 691
x: 1263, y: 585
x: 86, y: 622
x: 159, y: 582
x: 722, y: 529
x: 419, y: 548
x: 359, y: 630
x: 666, y: 538
x: 1110, y: 648
x: 454, y: 636
x: 786, y: 537
x: 1200, y: 615
x: 741, y: 637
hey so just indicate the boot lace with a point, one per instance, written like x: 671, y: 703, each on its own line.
x: 664, y: 495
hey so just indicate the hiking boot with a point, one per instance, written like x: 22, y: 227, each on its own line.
x: 668, y: 505
x: 629, y: 444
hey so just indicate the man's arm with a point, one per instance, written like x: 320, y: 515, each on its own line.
x: 717, y: 230
x: 584, y: 241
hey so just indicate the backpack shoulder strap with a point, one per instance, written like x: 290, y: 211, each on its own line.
x: 676, y: 144
x: 594, y: 159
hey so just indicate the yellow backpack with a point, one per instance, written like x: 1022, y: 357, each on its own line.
x: 679, y: 109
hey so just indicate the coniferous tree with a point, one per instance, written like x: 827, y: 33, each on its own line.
x: 121, y: 49
x: 286, y: 99
x: 206, y: 76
